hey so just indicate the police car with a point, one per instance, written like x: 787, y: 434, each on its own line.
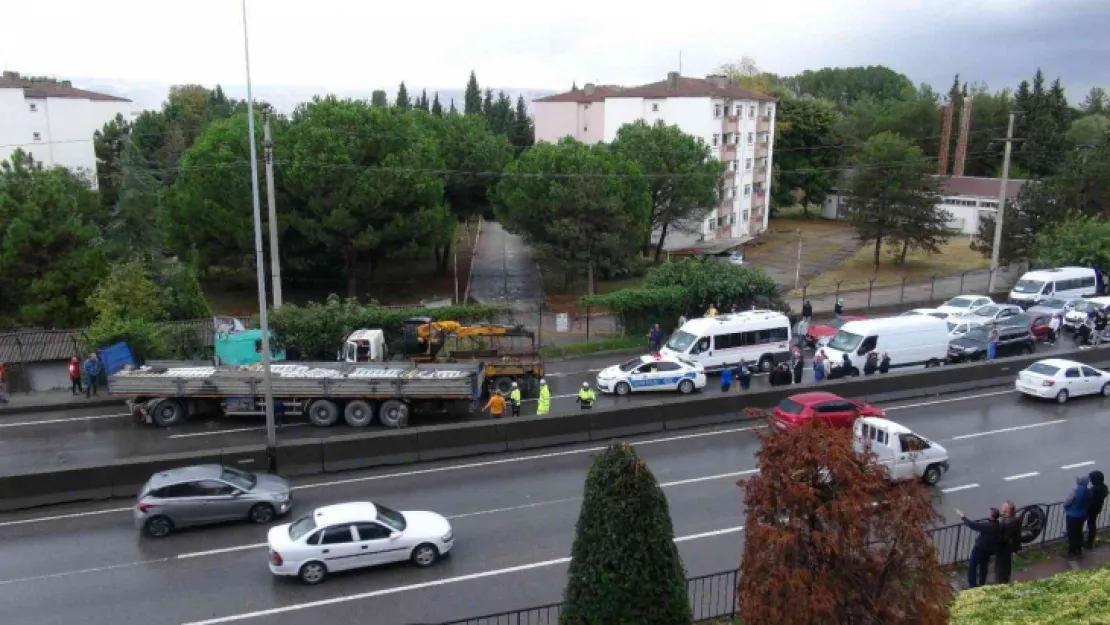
x: 652, y: 372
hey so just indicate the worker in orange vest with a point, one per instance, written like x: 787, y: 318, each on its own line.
x: 496, y: 406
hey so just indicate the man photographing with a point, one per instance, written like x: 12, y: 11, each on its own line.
x: 1009, y: 542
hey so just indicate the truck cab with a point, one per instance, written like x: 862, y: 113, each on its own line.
x: 905, y: 454
x: 365, y: 346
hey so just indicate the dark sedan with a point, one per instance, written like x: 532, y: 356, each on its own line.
x: 1012, y: 340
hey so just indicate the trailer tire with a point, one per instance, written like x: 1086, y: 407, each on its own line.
x: 503, y: 384
x: 359, y: 413
x: 323, y: 413
x: 394, y: 413
x: 168, y: 413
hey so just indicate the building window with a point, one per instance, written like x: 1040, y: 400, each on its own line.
x: 751, y: 138
x: 732, y: 165
x: 731, y: 192
x: 585, y: 128
x: 736, y: 139
x: 34, y: 107
x: 36, y: 136
x: 747, y: 190
x: 717, y: 111
x: 748, y: 164
x: 716, y: 140
x: 770, y: 111
x: 744, y: 215
x: 728, y: 137
x: 739, y: 110
x: 751, y: 112
x: 654, y: 108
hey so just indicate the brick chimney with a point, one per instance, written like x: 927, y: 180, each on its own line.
x: 67, y: 84
x: 11, y: 75
x: 718, y: 80
x: 590, y: 88
x: 672, y: 81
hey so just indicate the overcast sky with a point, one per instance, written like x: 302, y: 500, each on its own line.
x: 363, y: 44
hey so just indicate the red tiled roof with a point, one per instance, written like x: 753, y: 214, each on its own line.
x: 44, y: 89
x: 972, y: 186
x: 692, y: 88
x: 579, y: 95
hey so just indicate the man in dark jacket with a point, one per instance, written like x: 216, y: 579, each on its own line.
x: 986, y: 545
x: 1096, y: 499
x: 807, y: 311
x: 1009, y: 542
x: 797, y: 366
x: 1075, y: 513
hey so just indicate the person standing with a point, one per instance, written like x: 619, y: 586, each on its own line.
x: 681, y: 321
x: 744, y: 375
x: 496, y: 405
x: 871, y: 363
x: 514, y: 399
x: 1075, y: 510
x: 884, y: 363
x: 91, y: 369
x: 1009, y: 543
x: 726, y: 379
x: 986, y: 545
x: 992, y: 342
x: 655, y: 339
x: 798, y: 366
x: 1096, y: 499
x: 543, y: 406
x: 3, y: 383
x: 712, y: 311
x: 75, y: 376
x: 800, y: 332
x: 1054, y: 325
x: 839, y: 308
x: 807, y: 311
x: 819, y: 361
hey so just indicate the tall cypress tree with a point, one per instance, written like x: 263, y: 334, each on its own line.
x: 487, y: 103
x: 523, y: 134
x: 625, y: 568
x: 453, y: 110
x: 403, y: 101
x: 422, y: 101
x: 378, y: 98
x: 472, y: 102
x: 437, y: 108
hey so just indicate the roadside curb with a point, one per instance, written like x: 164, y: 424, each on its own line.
x: 7, y: 411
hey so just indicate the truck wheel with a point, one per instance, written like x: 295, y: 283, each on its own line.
x: 323, y: 413
x: 394, y: 413
x: 358, y: 413
x: 932, y: 475
x: 168, y: 413
x: 503, y: 384
x: 766, y: 363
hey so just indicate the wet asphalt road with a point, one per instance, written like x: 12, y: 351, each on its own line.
x: 513, y: 516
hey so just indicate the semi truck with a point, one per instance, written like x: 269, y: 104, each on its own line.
x: 359, y: 393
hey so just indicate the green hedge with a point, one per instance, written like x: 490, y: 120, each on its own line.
x: 319, y: 329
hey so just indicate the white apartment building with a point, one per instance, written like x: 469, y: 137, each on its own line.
x: 53, y: 121
x: 738, y: 124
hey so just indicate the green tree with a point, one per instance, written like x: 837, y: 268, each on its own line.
x: 1044, y: 127
x: 403, y: 104
x: 747, y: 74
x: 108, y: 144
x: 805, y: 152
x: 625, y: 568
x: 989, y: 115
x: 437, y: 108
x: 523, y: 133
x: 500, y: 115
x: 1081, y: 240
x: 1089, y: 130
x: 487, y: 104
x: 472, y: 101
x: 681, y: 174
x: 847, y: 85
x: 1096, y: 102
x: 892, y: 196
x: 422, y: 101
x: 721, y: 284
x: 50, y: 256
x: 367, y: 178
x: 379, y: 98
x: 133, y: 229
x: 453, y: 110
x: 576, y: 204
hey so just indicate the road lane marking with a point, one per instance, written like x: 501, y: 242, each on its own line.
x: 951, y: 399
x: 1077, y: 465
x: 431, y: 584
x: 233, y: 430
x: 23, y: 424
x: 707, y: 478
x: 525, y: 506
x: 1004, y: 430
x: 213, y: 552
x: 954, y: 489
x: 1021, y: 476
x: 99, y: 569
x: 62, y: 517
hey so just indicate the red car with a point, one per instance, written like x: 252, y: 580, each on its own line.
x: 828, y: 330
x: 834, y: 410
x: 1038, y: 325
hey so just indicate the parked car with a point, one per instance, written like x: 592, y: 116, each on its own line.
x: 209, y: 493
x: 1037, y: 324
x: 1012, y: 339
x: 1055, y: 378
x: 964, y: 304
x: 356, y: 535
x: 1083, y: 307
x: 652, y: 372
x: 991, y: 312
x: 820, y: 334
x: 1051, y: 306
x: 932, y: 312
x: 956, y: 329
x: 835, y: 411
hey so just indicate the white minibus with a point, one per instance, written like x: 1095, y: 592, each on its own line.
x: 759, y: 337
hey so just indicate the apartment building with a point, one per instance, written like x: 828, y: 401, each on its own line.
x: 54, y: 121
x: 738, y: 124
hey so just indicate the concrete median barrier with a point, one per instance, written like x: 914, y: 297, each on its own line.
x: 546, y: 431
x: 370, y: 449
x: 303, y: 456
x: 30, y: 490
x: 129, y: 475
x: 247, y: 458
x: 462, y: 439
x: 607, y: 424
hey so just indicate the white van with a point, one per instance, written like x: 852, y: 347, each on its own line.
x: 1078, y: 314
x: 906, y: 455
x: 1064, y: 283
x: 914, y: 341
x: 760, y: 337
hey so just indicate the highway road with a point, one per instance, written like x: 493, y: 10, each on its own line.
x: 513, y: 516
x: 81, y: 437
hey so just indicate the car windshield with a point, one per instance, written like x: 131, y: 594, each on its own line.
x: 1053, y: 303
x: 987, y: 311
x: 631, y: 364
x: 240, y: 479
x: 1083, y: 306
x: 836, y: 323
x: 681, y: 341
x: 1043, y: 369
x: 845, y: 341
x: 301, y: 527
x: 789, y: 406
x: 952, y: 326
x: 959, y: 302
x: 978, y: 333
x: 1017, y: 320
x: 1028, y: 286
x: 395, y: 520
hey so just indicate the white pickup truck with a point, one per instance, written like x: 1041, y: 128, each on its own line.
x: 906, y: 455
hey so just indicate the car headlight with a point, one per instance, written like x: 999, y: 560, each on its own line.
x: 969, y: 350
x: 448, y: 537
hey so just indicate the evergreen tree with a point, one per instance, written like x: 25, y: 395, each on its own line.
x: 403, y: 101
x: 523, y: 135
x: 1096, y: 102
x: 472, y: 102
x: 378, y: 98
x: 500, y: 116
x: 487, y: 104
x: 955, y: 95
x: 1044, y: 146
x: 574, y: 86
x: 422, y: 101
x: 453, y: 110
x: 625, y: 568
x: 133, y: 228
x: 437, y: 108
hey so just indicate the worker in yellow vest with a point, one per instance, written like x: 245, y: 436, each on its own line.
x: 586, y: 396
x: 514, y: 399
x: 544, y: 405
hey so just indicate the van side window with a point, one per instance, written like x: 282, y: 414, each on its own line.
x: 868, y: 345
x: 702, y: 346
x: 912, y: 443
x: 1089, y: 282
x: 723, y: 341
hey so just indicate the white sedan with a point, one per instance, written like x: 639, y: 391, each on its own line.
x: 964, y: 304
x: 932, y: 312
x: 1059, y: 379
x: 356, y: 535
x: 652, y: 373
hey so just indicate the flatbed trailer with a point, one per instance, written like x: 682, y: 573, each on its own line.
x: 323, y: 391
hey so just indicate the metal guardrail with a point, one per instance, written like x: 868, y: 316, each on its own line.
x: 713, y: 597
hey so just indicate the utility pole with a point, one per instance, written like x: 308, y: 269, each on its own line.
x: 798, y: 265
x: 997, y: 247
x: 275, y: 256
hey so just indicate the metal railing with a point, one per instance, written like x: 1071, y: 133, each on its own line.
x: 713, y: 597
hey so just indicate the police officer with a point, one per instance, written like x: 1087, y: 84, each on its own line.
x: 544, y: 405
x: 514, y: 399
x: 586, y: 396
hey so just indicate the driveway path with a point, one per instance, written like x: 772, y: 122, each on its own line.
x: 504, y: 271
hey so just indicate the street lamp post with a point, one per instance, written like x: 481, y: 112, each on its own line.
x: 268, y: 382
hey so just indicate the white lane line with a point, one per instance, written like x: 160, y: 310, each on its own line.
x: 61, y: 517
x: 953, y: 489
x: 233, y: 430
x: 707, y: 478
x: 212, y: 552
x: 1077, y: 465
x: 951, y: 399
x: 98, y: 569
x: 439, y: 582
x: 526, y: 506
x: 1004, y: 430
x: 1021, y: 476
x: 23, y: 424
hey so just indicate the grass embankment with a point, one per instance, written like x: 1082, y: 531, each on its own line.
x: 1078, y: 597
x: 855, y: 273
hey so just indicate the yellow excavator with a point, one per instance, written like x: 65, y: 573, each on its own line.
x: 424, y: 340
